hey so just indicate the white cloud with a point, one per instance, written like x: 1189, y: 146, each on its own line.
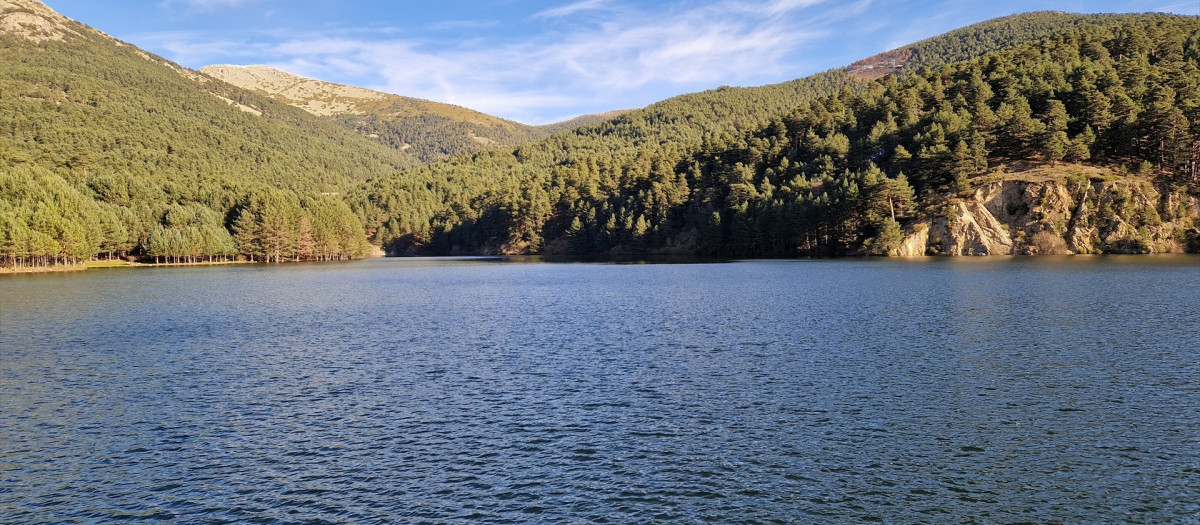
x: 611, y: 59
x: 570, y: 9
x: 196, y: 48
x: 1185, y: 8
x: 204, y: 5
x: 619, y: 58
x: 788, y: 5
x: 459, y: 25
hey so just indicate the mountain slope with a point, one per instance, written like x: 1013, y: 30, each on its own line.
x: 427, y: 130
x: 523, y: 200
x: 102, y: 143
x: 91, y: 93
x: 582, y: 120
x: 976, y: 40
x: 34, y: 21
x: 1085, y: 142
x: 105, y: 148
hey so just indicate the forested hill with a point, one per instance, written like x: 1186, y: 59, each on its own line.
x: 976, y: 40
x: 105, y: 148
x: 1087, y: 141
x: 635, y: 173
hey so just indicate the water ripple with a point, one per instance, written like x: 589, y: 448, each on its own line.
x: 472, y: 392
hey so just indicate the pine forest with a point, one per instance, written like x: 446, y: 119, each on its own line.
x: 109, y: 152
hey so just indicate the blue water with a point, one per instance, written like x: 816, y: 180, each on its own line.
x: 999, y: 390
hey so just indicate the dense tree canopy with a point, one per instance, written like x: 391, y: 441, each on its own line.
x: 806, y: 167
x: 106, y: 150
x: 110, y: 151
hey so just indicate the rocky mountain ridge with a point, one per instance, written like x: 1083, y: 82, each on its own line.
x: 426, y: 129
x: 316, y: 97
x: 34, y: 21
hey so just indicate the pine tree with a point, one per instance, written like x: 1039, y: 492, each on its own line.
x: 304, y: 240
x: 247, y: 235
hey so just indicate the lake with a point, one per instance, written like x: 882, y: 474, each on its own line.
x: 989, y: 390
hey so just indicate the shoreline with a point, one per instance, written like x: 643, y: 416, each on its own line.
x: 87, y: 265
x: 560, y: 258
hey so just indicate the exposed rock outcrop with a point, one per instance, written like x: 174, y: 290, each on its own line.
x: 34, y: 20
x: 313, y: 96
x: 1015, y: 217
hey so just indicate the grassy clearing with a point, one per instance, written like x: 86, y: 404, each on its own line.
x: 1028, y: 171
x: 110, y: 264
x: 41, y: 269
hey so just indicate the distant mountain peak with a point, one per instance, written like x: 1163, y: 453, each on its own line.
x: 314, y: 96
x: 34, y: 21
x: 423, y: 128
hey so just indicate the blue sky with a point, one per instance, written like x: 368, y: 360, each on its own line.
x: 541, y: 61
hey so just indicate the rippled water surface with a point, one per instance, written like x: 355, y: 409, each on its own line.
x: 477, y: 391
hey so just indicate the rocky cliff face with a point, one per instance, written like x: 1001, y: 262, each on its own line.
x: 1061, y: 217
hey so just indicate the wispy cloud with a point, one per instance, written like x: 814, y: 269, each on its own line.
x: 204, y: 5
x: 198, y: 48
x: 783, y: 6
x: 1187, y: 8
x: 459, y: 25
x: 618, y: 56
x: 570, y: 9
x: 546, y: 75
